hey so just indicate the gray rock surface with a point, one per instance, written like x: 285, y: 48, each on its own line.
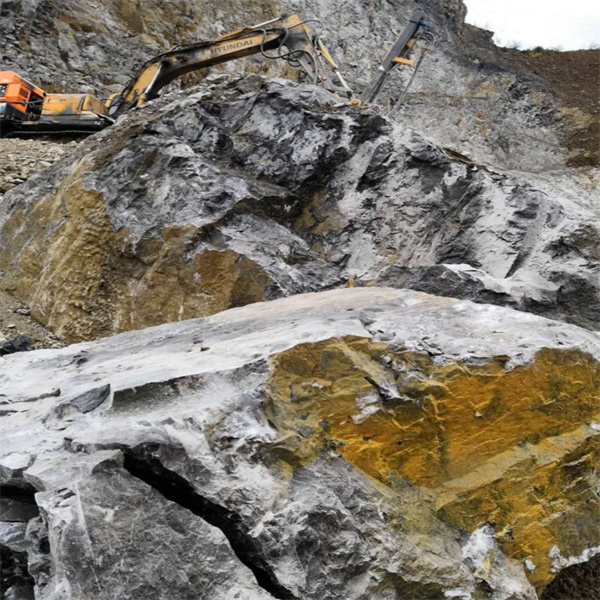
x: 113, y: 536
x: 133, y: 493
x: 353, y: 444
x: 306, y: 194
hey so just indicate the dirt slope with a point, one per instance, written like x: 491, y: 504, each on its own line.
x: 575, y: 78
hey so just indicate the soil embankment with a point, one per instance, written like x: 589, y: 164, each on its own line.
x: 573, y: 77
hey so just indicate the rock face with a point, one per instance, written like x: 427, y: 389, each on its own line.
x: 359, y: 443
x: 109, y: 524
x: 250, y: 190
x: 469, y: 95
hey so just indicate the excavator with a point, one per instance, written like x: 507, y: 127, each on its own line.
x: 26, y: 108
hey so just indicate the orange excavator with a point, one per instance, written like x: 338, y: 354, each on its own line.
x: 26, y: 108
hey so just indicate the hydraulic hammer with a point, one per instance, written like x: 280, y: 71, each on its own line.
x: 397, y: 55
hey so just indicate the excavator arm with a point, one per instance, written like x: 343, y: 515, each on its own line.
x: 25, y: 108
x: 397, y: 55
x: 284, y: 38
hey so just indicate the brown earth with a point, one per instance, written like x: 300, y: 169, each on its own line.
x: 575, y: 79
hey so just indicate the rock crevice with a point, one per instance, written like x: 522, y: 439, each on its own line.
x: 144, y: 464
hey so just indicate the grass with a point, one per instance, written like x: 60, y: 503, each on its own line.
x: 539, y: 50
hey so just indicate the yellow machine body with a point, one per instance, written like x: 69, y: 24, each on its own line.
x: 26, y: 108
x: 71, y: 105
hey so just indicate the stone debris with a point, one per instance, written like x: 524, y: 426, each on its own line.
x: 21, y: 159
x: 17, y: 343
x: 16, y: 320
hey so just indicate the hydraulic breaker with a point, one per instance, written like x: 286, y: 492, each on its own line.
x: 397, y: 55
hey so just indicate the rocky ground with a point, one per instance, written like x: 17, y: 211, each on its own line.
x: 248, y: 190
x: 293, y: 440
x: 16, y: 320
x: 23, y: 158
x: 321, y: 353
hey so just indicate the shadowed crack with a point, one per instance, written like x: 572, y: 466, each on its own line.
x: 142, y: 464
x: 17, y: 506
x: 15, y: 580
x: 576, y: 582
x: 20, y: 492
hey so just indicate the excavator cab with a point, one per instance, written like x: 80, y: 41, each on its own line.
x: 26, y: 108
x: 20, y: 100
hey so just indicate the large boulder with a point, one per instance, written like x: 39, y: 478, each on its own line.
x: 359, y: 443
x: 249, y: 190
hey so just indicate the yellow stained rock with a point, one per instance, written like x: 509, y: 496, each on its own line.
x: 83, y: 281
x: 511, y: 447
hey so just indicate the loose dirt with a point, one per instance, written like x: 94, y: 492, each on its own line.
x: 22, y: 158
x: 575, y: 79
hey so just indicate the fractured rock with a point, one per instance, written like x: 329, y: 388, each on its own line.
x: 357, y: 443
x: 112, y: 536
x: 221, y: 198
x: 17, y: 343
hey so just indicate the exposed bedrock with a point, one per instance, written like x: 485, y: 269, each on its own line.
x: 249, y: 190
x: 366, y: 442
x: 353, y: 444
x: 469, y: 95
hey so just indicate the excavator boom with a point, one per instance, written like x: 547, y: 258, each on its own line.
x: 288, y: 36
x: 23, y: 107
x: 26, y: 108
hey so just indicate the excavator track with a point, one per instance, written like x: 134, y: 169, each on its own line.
x: 24, y: 135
